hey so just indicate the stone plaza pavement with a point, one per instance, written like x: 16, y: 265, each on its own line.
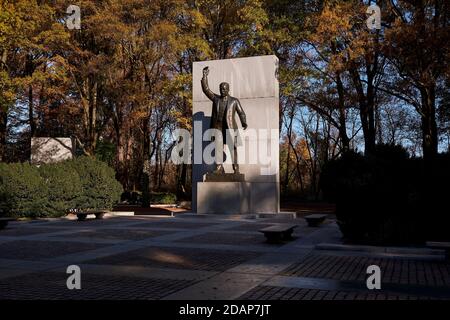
x: 206, y: 257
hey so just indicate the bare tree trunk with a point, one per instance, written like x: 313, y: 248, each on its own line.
x: 162, y: 166
x: 3, y: 133
x: 429, y: 126
x: 157, y: 155
x: 288, y: 157
x: 378, y: 126
x: 297, y: 165
x: 92, y: 130
x: 366, y: 101
x: 342, y: 116
x: 3, y: 115
x: 31, y: 111
x: 181, y: 181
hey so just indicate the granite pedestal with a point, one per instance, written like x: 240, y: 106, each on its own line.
x: 237, y: 197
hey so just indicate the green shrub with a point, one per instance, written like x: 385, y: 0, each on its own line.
x: 52, y: 189
x: 64, y: 187
x: 163, y: 198
x: 22, y: 190
x: 100, y: 189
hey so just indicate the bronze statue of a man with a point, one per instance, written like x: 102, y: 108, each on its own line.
x: 224, y: 109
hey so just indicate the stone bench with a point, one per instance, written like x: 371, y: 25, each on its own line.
x: 83, y: 214
x: 440, y: 245
x: 278, y: 233
x: 4, y: 222
x: 314, y: 220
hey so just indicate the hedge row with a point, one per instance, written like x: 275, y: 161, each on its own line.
x: 52, y: 190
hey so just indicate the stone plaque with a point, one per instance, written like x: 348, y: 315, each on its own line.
x: 50, y: 150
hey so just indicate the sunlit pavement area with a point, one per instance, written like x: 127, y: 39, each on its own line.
x: 207, y: 257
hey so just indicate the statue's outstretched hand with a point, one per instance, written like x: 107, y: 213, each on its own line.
x: 245, y: 127
x: 205, y: 71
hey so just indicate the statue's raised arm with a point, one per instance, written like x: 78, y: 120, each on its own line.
x: 205, y: 86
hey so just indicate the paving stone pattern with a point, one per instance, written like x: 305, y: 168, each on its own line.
x: 213, y: 257
x: 394, y: 270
